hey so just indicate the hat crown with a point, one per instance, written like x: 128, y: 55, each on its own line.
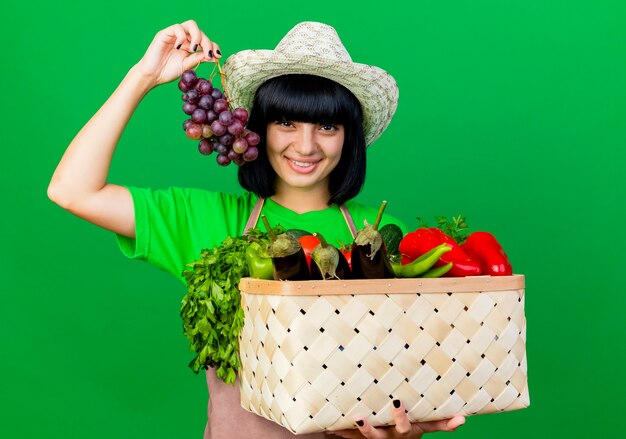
x: 314, y: 39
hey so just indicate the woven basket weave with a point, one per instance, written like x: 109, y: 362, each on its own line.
x: 316, y: 355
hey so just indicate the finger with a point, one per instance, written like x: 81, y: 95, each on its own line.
x: 442, y: 425
x: 182, y: 41
x: 368, y: 430
x: 194, y: 33
x: 403, y: 426
x: 207, y: 47
x: 216, y: 50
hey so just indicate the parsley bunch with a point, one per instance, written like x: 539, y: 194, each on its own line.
x: 211, y: 309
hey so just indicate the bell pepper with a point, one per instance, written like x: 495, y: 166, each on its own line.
x: 259, y: 262
x: 346, y: 251
x: 485, y: 248
x: 421, y: 265
x: 308, y: 243
x: 421, y: 241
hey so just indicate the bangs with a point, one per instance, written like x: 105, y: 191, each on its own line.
x: 306, y: 98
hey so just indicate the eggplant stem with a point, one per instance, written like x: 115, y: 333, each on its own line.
x: 380, y: 214
x: 269, y: 228
x: 321, y: 238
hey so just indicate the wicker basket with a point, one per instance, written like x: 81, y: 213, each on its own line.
x: 318, y: 354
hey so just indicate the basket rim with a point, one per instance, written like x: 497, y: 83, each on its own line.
x: 468, y: 284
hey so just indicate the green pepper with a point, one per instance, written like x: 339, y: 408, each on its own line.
x: 437, y: 271
x: 259, y: 262
x: 422, y: 264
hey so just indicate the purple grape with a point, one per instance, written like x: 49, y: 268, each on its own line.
x: 223, y: 160
x: 251, y: 154
x: 189, y: 108
x: 226, y: 118
x: 221, y: 148
x: 211, y: 116
x: 233, y: 155
x: 206, y: 102
x: 191, y: 96
x: 253, y: 138
x: 194, y: 131
x: 186, y: 124
x: 189, y: 78
x: 198, y: 116
x: 203, y: 86
x: 216, y: 93
x: 236, y: 127
x: 220, y: 105
x: 183, y: 86
x: 217, y: 128
x: 239, y: 161
x: 241, y: 114
x: 240, y: 145
x: 227, y: 139
x: 205, y: 147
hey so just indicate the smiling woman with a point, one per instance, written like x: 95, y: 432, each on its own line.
x: 315, y: 112
x: 316, y: 122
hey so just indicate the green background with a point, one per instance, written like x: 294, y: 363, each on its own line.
x: 511, y: 113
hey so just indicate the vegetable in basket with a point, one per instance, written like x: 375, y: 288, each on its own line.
x: 369, y: 257
x: 346, y: 251
x: 287, y: 255
x: 259, y: 262
x: 437, y: 271
x: 423, y: 264
x: 416, y: 243
x: 308, y: 243
x: 328, y: 262
x: 485, y: 248
x: 211, y: 310
x: 392, y: 235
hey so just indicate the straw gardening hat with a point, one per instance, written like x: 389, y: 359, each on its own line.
x: 315, y: 49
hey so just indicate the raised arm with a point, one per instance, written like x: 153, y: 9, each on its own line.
x: 79, y: 183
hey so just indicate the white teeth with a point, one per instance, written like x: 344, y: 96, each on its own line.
x: 303, y: 164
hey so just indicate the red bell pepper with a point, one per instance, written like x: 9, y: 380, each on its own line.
x: 308, y: 243
x: 415, y: 244
x: 346, y: 250
x: 484, y: 247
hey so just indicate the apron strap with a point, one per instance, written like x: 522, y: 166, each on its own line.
x: 253, y: 219
x: 254, y: 215
x: 349, y: 220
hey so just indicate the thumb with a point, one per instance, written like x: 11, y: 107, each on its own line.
x: 193, y: 60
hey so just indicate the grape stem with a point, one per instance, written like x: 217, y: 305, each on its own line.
x: 222, y: 76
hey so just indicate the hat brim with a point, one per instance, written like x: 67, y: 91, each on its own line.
x: 375, y: 89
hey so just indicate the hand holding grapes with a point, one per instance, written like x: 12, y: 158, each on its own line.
x: 175, y: 49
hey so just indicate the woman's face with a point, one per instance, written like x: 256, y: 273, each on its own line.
x: 303, y: 154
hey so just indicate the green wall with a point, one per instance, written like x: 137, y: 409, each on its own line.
x: 511, y: 113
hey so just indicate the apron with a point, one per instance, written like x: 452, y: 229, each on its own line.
x: 226, y: 418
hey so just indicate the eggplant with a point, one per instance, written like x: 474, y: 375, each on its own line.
x: 327, y: 262
x: 369, y: 256
x: 287, y: 256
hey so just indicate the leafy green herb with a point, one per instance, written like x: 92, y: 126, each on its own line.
x: 211, y: 309
x: 456, y: 228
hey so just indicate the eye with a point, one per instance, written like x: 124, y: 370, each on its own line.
x: 328, y: 127
x: 284, y: 123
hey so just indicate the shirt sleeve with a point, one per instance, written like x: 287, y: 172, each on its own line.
x: 172, y: 226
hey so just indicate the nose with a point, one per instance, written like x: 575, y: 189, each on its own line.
x: 306, y: 141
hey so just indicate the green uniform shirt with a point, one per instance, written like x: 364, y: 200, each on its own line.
x: 174, y: 225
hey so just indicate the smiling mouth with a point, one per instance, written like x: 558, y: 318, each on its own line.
x: 303, y: 164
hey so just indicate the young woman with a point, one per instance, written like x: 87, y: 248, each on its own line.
x: 315, y: 110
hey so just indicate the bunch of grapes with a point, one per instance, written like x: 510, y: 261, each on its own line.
x: 213, y: 123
